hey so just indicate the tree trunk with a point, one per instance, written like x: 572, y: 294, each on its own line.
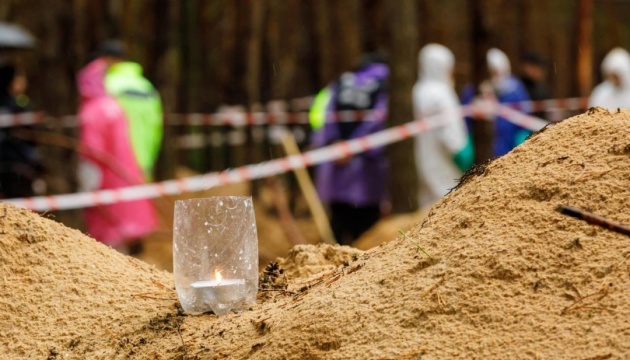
x: 254, y: 47
x: 483, y: 131
x: 585, y: 47
x: 167, y: 16
x: 253, y: 82
x: 347, y: 15
x: 404, y: 45
x: 326, y: 69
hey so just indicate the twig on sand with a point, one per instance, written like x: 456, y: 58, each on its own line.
x: 150, y: 296
x: 417, y: 245
x: 432, y: 287
x: 284, y: 291
x: 622, y: 262
x: 583, y: 165
x: 160, y: 285
x: 600, y: 357
x: 594, y: 219
x: 182, y: 339
x: 580, y: 303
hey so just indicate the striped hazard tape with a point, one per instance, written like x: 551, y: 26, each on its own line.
x: 243, y: 173
x: 260, y: 170
x: 242, y: 118
x: 20, y: 119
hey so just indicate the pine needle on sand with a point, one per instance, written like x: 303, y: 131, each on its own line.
x: 417, y: 245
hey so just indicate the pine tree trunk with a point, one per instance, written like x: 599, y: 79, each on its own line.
x: 585, y: 47
x: 167, y: 75
x: 321, y: 10
x: 347, y: 15
x: 404, y: 44
x: 483, y: 131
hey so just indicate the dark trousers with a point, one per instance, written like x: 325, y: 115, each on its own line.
x: 348, y: 222
x: 14, y: 185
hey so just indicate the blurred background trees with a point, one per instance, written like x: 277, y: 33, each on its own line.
x: 204, y: 53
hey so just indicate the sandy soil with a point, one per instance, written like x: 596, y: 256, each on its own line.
x: 507, y: 277
x: 388, y: 228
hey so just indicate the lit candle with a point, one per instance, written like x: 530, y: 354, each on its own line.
x: 220, y: 293
x: 218, y: 282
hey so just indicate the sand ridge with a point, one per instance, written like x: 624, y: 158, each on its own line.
x: 511, y: 278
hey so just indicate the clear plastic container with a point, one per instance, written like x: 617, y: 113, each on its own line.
x: 215, y: 254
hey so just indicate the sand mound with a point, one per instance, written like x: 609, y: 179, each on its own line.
x: 511, y: 277
x: 387, y: 229
x: 62, y: 291
x: 304, y: 261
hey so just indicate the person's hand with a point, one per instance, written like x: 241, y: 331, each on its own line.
x: 343, y: 160
x: 485, y: 106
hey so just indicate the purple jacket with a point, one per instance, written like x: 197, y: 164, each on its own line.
x: 361, y: 181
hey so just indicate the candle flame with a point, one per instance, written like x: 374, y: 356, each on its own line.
x: 217, y: 275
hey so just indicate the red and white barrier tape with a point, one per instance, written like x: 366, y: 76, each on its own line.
x: 269, y: 118
x: 237, y: 118
x: 254, y: 171
x: 521, y: 119
x: 243, y: 173
x: 576, y: 103
x: 20, y: 119
x: 238, y: 137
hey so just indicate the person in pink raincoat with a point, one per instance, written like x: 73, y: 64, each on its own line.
x: 107, y: 161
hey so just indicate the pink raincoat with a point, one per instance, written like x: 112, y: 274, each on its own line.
x: 108, y: 154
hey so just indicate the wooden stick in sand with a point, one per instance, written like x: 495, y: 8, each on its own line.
x: 284, y: 213
x: 308, y: 189
x: 594, y: 219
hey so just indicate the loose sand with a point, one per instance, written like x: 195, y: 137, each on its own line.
x: 511, y: 277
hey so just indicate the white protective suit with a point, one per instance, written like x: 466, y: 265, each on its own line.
x: 436, y: 149
x: 606, y: 94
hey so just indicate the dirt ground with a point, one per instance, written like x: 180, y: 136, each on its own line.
x: 501, y: 275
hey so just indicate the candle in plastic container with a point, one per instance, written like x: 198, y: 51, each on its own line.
x: 215, y: 254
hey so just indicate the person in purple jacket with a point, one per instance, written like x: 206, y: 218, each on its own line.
x: 354, y: 187
x: 502, y: 87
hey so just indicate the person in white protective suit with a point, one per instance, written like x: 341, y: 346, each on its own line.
x: 445, y: 152
x: 614, y: 92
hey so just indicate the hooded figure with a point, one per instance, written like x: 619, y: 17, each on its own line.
x: 354, y: 187
x: 614, y: 92
x: 108, y: 162
x: 444, y: 153
x: 20, y: 163
x: 504, y: 88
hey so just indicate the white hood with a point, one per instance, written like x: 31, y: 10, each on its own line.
x: 607, y: 94
x: 618, y: 62
x: 436, y: 63
x: 434, y: 150
x: 498, y: 62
